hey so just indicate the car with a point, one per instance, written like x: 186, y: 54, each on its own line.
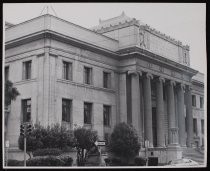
x: 183, y: 162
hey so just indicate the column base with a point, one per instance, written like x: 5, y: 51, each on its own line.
x: 173, y: 153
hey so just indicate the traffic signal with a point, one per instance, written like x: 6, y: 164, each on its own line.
x: 22, y: 129
x: 29, y: 129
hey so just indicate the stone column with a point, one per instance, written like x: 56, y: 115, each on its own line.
x: 189, y: 117
x: 181, y: 119
x: 160, y: 112
x: 135, y: 102
x: 148, y: 108
x: 173, y: 130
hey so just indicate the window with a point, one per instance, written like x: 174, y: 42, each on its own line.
x: 107, y: 79
x: 6, y: 73
x: 27, y: 70
x: 194, y: 100
x: 26, y: 110
x: 195, y: 126
x: 87, y: 113
x: 87, y: 75
x: 67, y: 70
x: 66, y: 110
x: 201, y: 102
x: 107, y: 111
x: 202, y: 126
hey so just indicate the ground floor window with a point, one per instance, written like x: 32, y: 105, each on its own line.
x: 66, y: 110
x: 87, y: 113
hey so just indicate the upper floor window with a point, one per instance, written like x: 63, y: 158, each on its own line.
x: 27, y: 70
x: 67, y: 70
x: 201, y: 102
x: 107, y: 79
x: 87, y: 113
x: 107, y: 115
x: 66, y: 110
x: 6, y: 73
x: 26, y: 110
x: 87, y: 75
x: 194, y: 100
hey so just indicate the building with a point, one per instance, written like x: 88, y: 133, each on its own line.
x: 119, y: 71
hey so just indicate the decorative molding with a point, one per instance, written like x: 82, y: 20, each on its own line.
x: 149, y: 76
x: 161, y: 69
x: 134, y: 72
x: 149, y: 65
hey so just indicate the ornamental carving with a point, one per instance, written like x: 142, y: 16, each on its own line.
x: 142, y: 38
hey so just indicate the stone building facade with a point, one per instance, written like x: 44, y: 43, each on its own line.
x: 119, y: 71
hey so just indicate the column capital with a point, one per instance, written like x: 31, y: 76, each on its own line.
x: 171, y: 82
x: 134, y: 72
x: 188, y: 87
x: 181, y: 85
x: 159, y: 78
x: 148, y: 75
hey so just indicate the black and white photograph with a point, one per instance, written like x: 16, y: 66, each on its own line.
x: 104, y: 85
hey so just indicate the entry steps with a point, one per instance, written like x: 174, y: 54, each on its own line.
x: 194, y: 154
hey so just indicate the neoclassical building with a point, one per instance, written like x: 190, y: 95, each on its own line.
x: 119, y: 71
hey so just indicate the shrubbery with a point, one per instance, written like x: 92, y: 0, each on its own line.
x: 67, y: 160
x: 41, y: 137
x: 11, y: 162
x: 140, y: 161
x: 124, y: 143
x: 47, y: 151
x: 45, y: 161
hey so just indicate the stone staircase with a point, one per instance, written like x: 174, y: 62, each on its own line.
x: 194, y: 154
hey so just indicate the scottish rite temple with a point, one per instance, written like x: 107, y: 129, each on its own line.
x: 119, y: 71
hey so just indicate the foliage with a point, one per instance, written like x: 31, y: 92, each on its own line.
x: 85, y: 139
x: 140, y: 161
x: 124, y: 142
x: 41, y: 137
x: 67, y: 160
x: 45, y: 161
x: 10, y: 93
x: 47, y: 151
x: 11, y: 162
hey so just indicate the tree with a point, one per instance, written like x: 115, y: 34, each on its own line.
x: 10, y: 94
x: 42, y: 137
x: 85, y: 139
x: 124, y: 143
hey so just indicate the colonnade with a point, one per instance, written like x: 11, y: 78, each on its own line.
x: 176, y: 131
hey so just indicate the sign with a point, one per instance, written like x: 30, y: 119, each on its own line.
x: 7, y: 143
x: 100, y: 143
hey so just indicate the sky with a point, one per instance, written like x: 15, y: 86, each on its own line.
x: 185, y: 22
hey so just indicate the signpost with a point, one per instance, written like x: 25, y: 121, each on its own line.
x: 146, y: 150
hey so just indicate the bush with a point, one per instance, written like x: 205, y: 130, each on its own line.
x: 45, y: 161
x: 139, y: 161
x: 47, y: 151
x: 41, y: 137
x: 67, y: 160
x: 11, y: 162
x: 124, y: 143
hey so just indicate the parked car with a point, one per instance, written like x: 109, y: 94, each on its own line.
x: 183, y: 162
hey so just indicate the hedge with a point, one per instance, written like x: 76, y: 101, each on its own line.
x: 45, y: 161
x: 140, y: 161
x: 47, y: 151
x: 11, y: 162
x: 67, y: 160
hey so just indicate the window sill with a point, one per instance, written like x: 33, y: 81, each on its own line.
x: 25, y: 81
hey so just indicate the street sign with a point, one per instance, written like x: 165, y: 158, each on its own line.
x: 100, y: 143
x: 7, y: 143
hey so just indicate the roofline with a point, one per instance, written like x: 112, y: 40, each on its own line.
x: 63, y: 21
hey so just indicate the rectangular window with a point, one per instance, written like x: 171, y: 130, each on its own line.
x: 107, y: 111
x: 87, y: 113
x: 66, y: 110
x: 6, y: 73
x: 195, y: 126
x: 202, y: 126
x: 107, y: 79
x: 27, y: 70
x: 201, y: 102
x: 185, y: 58
x: 26, y: 110
x: 67, y: 70
x: 87, y: 75
x: 194, y: 100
